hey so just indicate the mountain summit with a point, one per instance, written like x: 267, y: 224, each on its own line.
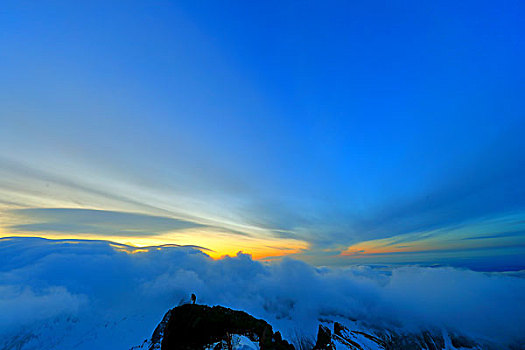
x: 192, y: 327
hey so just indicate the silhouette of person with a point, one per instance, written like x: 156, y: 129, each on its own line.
x: 193, y: 298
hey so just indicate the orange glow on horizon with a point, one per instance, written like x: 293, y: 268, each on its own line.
x: 214, y: 243
x: 384, y: 246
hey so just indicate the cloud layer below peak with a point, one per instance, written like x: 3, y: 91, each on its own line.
x: 88, y: 292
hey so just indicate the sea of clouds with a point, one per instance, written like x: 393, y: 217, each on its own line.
x: 90, y: 294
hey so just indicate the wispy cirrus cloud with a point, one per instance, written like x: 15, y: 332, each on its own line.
x: 72, y: 221
x: 144, y: 230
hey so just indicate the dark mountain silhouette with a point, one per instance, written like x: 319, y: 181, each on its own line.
x: 196, y: 327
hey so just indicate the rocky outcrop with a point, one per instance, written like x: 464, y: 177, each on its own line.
x: 203, y: 327
x: 324, y: 339
x: 194, y: 327
x: 340, y: 337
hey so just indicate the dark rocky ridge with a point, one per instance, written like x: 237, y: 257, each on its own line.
x: 202, y: 327
x: 197, y: 326
x: 326, y: 339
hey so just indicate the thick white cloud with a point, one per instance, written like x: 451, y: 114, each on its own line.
x: 80, y: 294
x: 21, y: 306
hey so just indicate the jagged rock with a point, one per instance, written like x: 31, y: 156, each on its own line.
x: 324, y: 339
x: 199, y: 327
x: 376, y: 339
x: 158, y: 334
x: 218, y: 328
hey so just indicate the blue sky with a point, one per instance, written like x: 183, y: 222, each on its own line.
x: 335, y: 131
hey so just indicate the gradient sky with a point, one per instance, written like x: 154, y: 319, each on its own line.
x: 335, y: 132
